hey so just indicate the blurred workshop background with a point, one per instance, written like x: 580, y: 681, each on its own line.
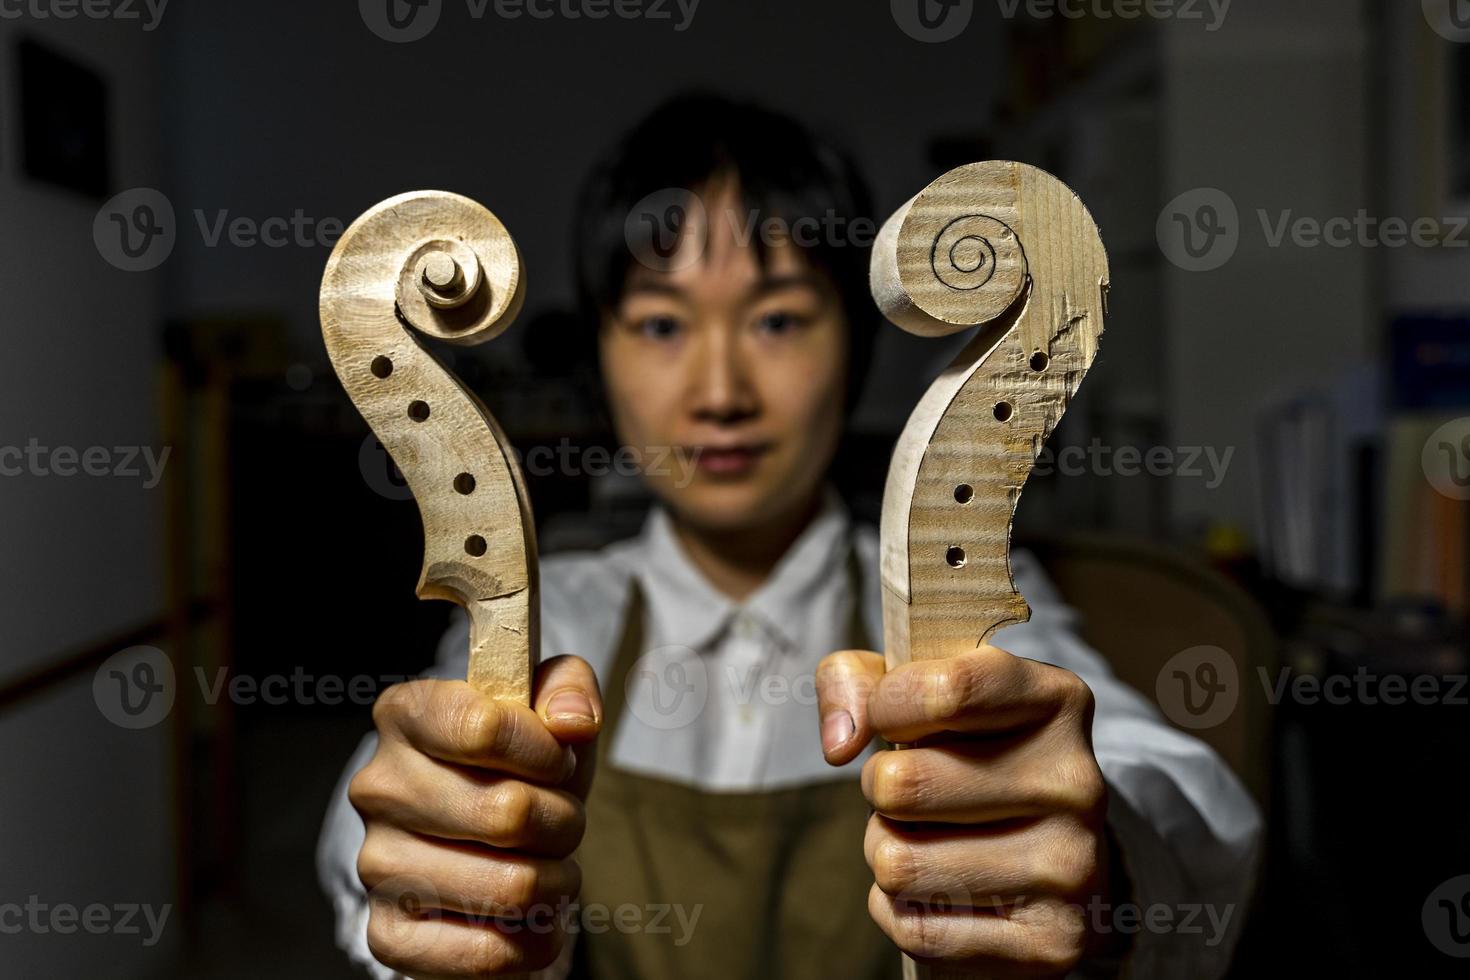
x: 1271, y: 458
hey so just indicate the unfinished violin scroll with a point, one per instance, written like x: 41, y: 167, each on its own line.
x: 447, y: 267
x: 1011, y: 247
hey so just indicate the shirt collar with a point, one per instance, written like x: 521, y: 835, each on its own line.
x: 686, y: 610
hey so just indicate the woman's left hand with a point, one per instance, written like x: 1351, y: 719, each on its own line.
x: 988, y: 842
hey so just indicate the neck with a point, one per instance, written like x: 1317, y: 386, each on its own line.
x: 738, y: 561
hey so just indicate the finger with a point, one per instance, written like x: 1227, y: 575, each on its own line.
x: 985, y: 781
x: 992, y: 867
x: 429, y: 797
x: 568, y: 699
x: 478, y: 884
x: 452, y: 722
x: 987, y: 691
x: 1044, y: 939
x: 408, y: 933
x: 845, y: 682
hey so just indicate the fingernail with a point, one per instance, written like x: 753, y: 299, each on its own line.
x: 837, y: 728
x: 571, y: 705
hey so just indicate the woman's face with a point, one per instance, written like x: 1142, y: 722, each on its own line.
x: 731, y: 373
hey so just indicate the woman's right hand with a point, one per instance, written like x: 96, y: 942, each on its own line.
x: 473, y: 808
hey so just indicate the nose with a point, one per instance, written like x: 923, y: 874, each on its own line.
x: 721, y: 391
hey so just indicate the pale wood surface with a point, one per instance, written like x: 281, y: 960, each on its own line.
x: 452, y: 271
x: 1011, y: 247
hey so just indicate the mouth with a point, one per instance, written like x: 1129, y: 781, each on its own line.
x: 728, y: 461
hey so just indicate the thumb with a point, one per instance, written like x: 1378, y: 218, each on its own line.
x: 568, y: 699
x: 845, y: 680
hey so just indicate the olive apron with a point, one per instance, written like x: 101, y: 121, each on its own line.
x: 776, y: 879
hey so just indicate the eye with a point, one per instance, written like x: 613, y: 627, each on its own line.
x: 778, y: 323
x: 658, y: 327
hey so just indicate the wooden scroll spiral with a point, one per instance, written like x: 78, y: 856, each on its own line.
x: 1011, y: 248
x: 444, y: 266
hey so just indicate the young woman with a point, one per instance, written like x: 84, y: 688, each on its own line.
x: 716, y: 806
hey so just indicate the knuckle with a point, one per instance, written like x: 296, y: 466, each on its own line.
x: 485, y: 728
x: 491, y: 955
x: 895, y: 783
x: 521, y: 887
x: 894, y: 866
x: 505, y: 812
x: 370, y: 790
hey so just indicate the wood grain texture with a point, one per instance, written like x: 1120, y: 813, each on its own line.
x: 1011, y: 247
x: 447, y: 267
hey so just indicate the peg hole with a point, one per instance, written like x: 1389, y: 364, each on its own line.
x: 1039, y: 361
x: 955, y: 556
x: 474, y: 546
x: 465, y: 484
x: 381, y: 366
x: 964, y: 493
x: 1004, y: 411
x: 418, y: 411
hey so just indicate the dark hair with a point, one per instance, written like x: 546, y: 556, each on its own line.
x: 782, y: 169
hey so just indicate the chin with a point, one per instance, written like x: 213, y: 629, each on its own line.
x: 726, y: 506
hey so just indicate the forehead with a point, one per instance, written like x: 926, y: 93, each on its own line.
x: 720, y: 254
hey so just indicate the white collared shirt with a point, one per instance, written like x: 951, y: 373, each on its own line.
x: 724, y: 700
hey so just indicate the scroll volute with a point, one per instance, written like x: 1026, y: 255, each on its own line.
x: 444, y: 266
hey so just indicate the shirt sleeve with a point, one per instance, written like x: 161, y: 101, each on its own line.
x: 342, y: 836
x: 1188, y: 831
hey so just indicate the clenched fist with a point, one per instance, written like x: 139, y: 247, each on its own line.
x: 473, y: 808
x: 988, y: 836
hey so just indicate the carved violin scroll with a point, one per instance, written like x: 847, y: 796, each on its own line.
x: 1007, y: 247
x: 444, y: 266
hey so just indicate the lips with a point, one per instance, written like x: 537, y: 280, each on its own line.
x: 735, y: 460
